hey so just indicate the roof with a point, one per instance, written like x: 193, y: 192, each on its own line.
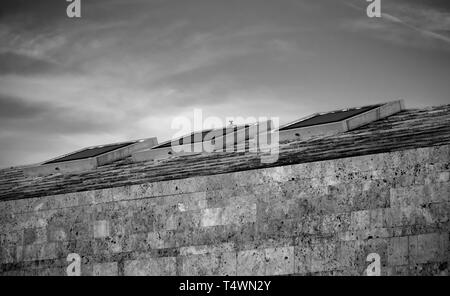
x: 407, y: 129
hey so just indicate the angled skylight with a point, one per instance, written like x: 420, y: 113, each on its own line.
x: 89, y: 158
x: 329, y: 117
x: 338, y: 121
x: 200, y: 136
x: 90, y: 152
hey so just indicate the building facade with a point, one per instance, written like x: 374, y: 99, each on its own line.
x: 373, y: 201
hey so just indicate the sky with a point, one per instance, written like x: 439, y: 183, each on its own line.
x: 127, y: 68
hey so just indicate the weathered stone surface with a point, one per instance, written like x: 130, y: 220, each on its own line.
x: 425, y: 248
x: 398, y: 251
x: 279, y: 261
x: 151, y: 267
x: 207, y: 249
x: 318, y: 218
x: 105, y: 269
x: 209, y: 264
x: 324, y: 255
x: 251, y: 263
x: 101, y: 229
x: 238, y: 214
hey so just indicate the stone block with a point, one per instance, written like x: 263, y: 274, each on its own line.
x: 191, y: 202
x: 83, y: 248
x: 162, y: 266
x: 11, y: 237
x: 279, y: 260
x: 377, y: 218
x: 439, y: 192
x: 302, y: 256
x: 439, y: 212
x: 426, y: 248
x: 444, y: 177
x: 136, y: 242
x: 347, y: 253
x: 400, y: 216
x: 105, y: 269
x: 227, y: 264
x: 360, y: 220
x: 57, y: 233
x: 398, y: 251
x: 251, y: 263
x: 101, y: 229
x: 188, y: 220
x: 311, y: 224
x: 327, y: 204
x: 209, y: 264
x: 31, y: 252
x: 29, y: 236
x: 376, y: 197
x: 80, y: 231
x: 211, y: 217
x: 239, y: 214
x: 144, y: 221
x: 324, y: 256
x: 156, y: 240
x: 48, y: 251
x: 279, y: 229
x: 118, y: 227
x: 110, y: 245
x: 8, y: 254
x: 420, y: 195
x: 279, y: 210
x: 335, y: 223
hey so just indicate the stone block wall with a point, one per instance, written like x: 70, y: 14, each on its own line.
x: 320, y: 218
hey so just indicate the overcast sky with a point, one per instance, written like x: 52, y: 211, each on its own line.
x: 128, y: 67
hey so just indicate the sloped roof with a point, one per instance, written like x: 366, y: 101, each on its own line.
x: 405, y: 130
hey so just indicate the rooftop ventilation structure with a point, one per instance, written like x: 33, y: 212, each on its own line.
x: 231, y: 138
x: 89, y: 158
x: 335, y: 122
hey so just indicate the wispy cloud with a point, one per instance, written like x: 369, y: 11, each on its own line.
x: 427, y: 22
x: 425, y: 32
